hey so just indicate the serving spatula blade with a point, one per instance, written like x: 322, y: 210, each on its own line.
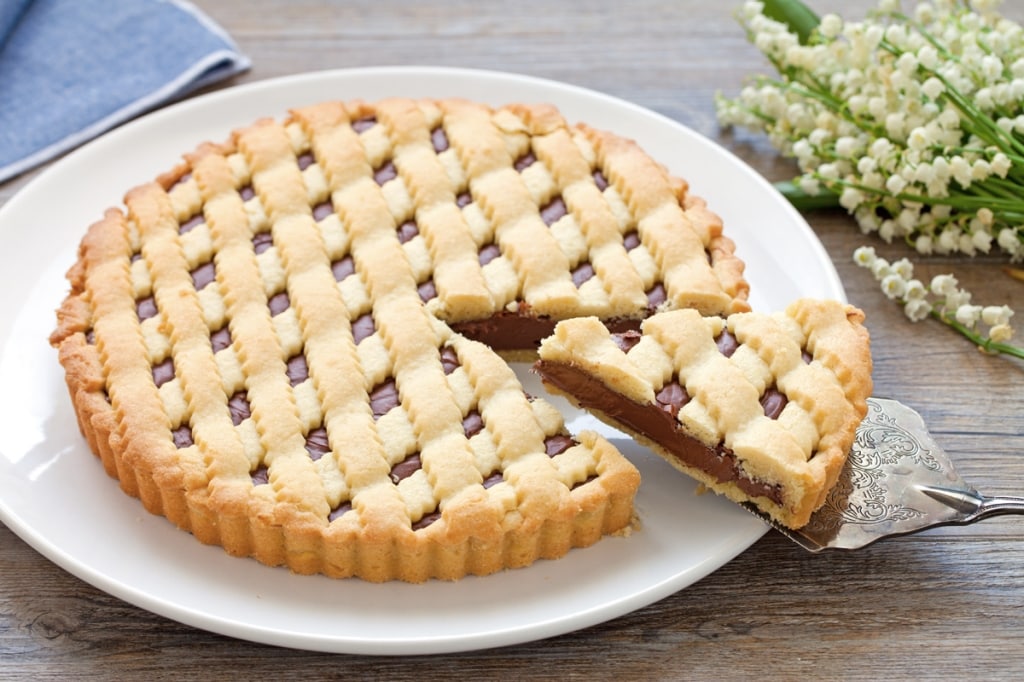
x: 897, y: 481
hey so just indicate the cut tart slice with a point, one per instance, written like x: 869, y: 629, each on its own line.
x: 761, y: 408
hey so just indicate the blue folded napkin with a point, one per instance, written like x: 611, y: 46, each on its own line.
x: 72, y: 69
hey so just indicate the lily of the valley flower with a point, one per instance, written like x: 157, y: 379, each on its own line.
x: 944, y: 300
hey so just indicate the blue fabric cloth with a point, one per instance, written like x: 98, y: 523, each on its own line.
x: 10, y: 12
x: 72, y: 69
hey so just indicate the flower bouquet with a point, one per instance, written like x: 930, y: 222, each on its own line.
x: 914, y: 123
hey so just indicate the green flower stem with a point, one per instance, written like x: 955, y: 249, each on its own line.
x: 803, y: 201
x: 983, y: 126
x: 982, y: 342
x: 968, y: 202
x: 995, y: 187
x: 1011, y: 210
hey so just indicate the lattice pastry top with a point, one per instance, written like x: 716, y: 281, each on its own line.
x: 759, y: 407
x: 508, y: 219
x: 254, y: 346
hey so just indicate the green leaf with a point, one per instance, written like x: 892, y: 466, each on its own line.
x: 795, y: 14
x: 803, y: 201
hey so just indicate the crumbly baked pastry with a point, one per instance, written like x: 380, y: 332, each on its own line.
x: 264, y: 344
x: 761, y: 408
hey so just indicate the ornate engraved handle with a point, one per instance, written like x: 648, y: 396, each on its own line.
x: 996, y: 506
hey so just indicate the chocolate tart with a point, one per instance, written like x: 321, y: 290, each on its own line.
x: 761, y: 408
x: 287, y: 344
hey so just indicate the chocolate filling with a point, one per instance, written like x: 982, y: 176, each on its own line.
x: 427, y: 290
x: 525, y: 161
x: 317, y: 444
x: 426, y: 520
x: 449, y: 360
x: 203, y: 275
x: 298, y: 370
x: 279, y: 303
x: 191, y: 224
x: 322, y: 210
x: 657, y: 424
x: 182, y: 436
x: 726, y: 343
x: 261, y: 241
x: 385, y: 173
x: 439, y: 139
x: 773, y: 403
x: 145, y: 308
x: 582, y: 483
x: 672, y: 397
x: 553, y: 211
x: 656, y: 296
x: 238, y: 406
x: 631, y: 240
x: 407, y: 230
x: 489, y: 253
x: 261, y: 476
x: 384, y: 398
x: 343, y: 267
x: 340, y: 510
x: 220, y: 339
x: 363, y: 327
x: 472, y: 424
x: 557, y: 444
x: 627, y: 339
x: 163, y: 372
x: 507, y: 331
x: 581, y: 273
x: 406, y: 468
x: 362, y: 124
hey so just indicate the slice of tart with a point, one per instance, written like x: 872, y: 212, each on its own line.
x: 761, y: 408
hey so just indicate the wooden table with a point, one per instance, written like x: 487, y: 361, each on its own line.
x: 946, y: 603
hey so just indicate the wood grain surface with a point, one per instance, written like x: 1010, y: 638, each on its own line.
x: 947, y: 603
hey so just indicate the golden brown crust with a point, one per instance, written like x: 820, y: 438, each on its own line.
x: 801, y: 451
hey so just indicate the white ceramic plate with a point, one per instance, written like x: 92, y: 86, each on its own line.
x: 54, y: 494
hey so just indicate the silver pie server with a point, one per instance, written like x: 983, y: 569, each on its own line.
x: 897, y: 480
